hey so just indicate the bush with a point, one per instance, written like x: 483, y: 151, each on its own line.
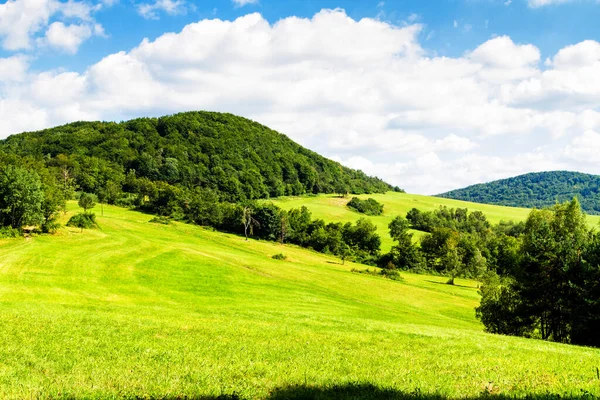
x: 279, y: 256
x: 391, y: 274
x: 368, y: 207
x: 50, y: 226
x: 386, y: 273
x: 83, y: 221
x: 126, y: 201
x: 8, y: 232
x: 161, y: 220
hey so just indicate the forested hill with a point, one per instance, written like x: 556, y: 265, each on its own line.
x: 538, y: 190
x: 237, y: 158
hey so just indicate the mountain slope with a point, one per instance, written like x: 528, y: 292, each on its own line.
x: 541, y: 189
x: 140, y: 310
x: 238, y: 158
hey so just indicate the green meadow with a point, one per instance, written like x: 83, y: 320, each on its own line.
x: 142, y: 310
x: 332, y: 208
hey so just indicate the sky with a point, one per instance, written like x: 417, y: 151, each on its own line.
x: 428, y: 95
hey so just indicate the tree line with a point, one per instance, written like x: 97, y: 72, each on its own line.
x: 541, y: 277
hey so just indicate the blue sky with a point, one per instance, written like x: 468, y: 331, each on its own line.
x: 429, y: 95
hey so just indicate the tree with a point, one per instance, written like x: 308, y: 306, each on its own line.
x: 362, y: 236
x: 501, y: 308
x: 203, y: 208
x: 87, y: 201
x: 405, y: 254
x: 248, y: 221
x: 67, y: 183
x: 21, y: 197
x: 51, y: 205
x: 345, y: 252
x: 553, y: 244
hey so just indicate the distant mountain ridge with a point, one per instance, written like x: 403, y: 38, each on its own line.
x: 538, y: 189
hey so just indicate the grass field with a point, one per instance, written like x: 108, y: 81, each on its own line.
x: 139, y: 310
x: 333, y: 208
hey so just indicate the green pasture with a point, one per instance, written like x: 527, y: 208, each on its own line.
x: 141, y: 310
x: 332, y: 208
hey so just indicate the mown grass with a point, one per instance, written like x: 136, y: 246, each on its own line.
x: 332, y: 208
x: 143, y: 310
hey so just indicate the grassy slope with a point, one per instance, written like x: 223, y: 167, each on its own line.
x: 151, y: 310
x: 333, y: 208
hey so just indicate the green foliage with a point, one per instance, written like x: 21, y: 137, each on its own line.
x: 8, y: 232
x: 535, y: 190
x: 234, y: 157
x: 279, y: 256
x: 21, y: 197
x: 457, y: 219
x: 555, y: 287
x: 405, y: 254
x: 501, y: 309
x: 83, y: 221
x: 391, y: 274
x: 368, y: 207
x: 87, y: 201
x: 161, y: 220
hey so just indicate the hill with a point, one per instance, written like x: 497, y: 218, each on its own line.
x: 237, y: 158
x: 541, y: 189
x: 142, y: 310
x: 333, y: 208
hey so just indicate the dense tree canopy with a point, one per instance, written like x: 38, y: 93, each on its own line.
x: 543, y: 189
x: 234, y: 157
x: 553, y: 290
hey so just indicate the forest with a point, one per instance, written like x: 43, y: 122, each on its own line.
x: 540, y: 189
x: 234, y: 157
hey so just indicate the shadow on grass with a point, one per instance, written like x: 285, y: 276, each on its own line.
x: 455, y: 285
x: 372, y: 392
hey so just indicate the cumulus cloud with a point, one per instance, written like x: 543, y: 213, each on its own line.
x: 22, y: 22
x: 364, y: 92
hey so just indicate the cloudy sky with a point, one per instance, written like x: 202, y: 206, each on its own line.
x: 428, y: 95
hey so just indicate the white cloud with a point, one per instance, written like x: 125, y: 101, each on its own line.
x: 14, y: 69
x: 241, y: 3
x: 584, y: 148
x: 501, y: 52
x: 171, y: 7
x: 22, y: 21
x: 364, y: 92
x: 67, y: 38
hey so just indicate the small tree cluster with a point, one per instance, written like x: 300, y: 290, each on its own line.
x: 367, y: 207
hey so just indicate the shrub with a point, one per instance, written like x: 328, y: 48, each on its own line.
x: 50, y: 226
x: 279, y: 256
x: 386, y: 273
x: 126, y: 201
x: 83, y: 221
x: 8, y: 232
x: 368, y: 207
x: 161, y: 220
